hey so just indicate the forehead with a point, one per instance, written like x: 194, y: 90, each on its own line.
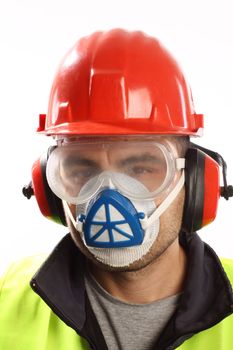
x: 117, y: 151
x: 120, y: 146
x: 118, y: 139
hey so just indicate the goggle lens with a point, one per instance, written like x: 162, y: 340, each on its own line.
x: 73, y: 165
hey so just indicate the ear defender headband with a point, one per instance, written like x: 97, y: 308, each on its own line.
x: 202, y: 188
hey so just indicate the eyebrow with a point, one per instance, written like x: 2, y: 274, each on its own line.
x: 72, y: 160
x: 142, y: 158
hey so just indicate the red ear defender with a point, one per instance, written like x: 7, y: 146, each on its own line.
x: 202, y: 190
x: 50, y: 205
x: 39, y: 189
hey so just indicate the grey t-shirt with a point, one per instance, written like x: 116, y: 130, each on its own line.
x: 129, y: 326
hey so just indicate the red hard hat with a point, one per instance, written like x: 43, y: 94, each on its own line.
x: 120, y: 82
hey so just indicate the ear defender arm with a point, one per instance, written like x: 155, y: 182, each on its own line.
x: 226, y: 190
x: 202, y: 187
x: 28, y: 190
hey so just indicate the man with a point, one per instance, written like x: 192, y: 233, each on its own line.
x: 132, y: 273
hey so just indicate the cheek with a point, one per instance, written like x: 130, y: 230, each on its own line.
x: 73, y: 209
x: 167, y: 191
x: 171, y: 219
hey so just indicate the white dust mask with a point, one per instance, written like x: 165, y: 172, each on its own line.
x: 117, y: 229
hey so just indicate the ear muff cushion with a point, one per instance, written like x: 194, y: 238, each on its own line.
x: 212, y: 190
x: 194, y: 190
x: 50, y: 205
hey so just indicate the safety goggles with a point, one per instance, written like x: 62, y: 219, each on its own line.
x: 98, y: 164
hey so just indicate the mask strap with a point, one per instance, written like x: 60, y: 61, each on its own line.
x: 147, y: 222
x: 78, y: 225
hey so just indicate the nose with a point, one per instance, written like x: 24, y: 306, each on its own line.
x: 106, y: 179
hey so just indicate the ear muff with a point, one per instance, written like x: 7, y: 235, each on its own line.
x: 50, y: 205
x: 202, y: 190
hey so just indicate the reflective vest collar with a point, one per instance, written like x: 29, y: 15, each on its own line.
x: 206, y: 299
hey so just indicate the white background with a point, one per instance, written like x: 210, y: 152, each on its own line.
x: 34, y: 36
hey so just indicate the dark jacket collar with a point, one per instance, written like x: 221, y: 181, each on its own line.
x: 60, y: 282
x: 207, y: 296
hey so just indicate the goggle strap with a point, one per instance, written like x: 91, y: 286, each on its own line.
x: 147, y: 222
x: 180, y: 163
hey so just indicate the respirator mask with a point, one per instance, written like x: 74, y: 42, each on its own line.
x: 119, y: 190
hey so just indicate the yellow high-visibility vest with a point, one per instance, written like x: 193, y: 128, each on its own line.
x: 27, y: 323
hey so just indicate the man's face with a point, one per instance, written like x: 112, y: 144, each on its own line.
x: 142, y: 162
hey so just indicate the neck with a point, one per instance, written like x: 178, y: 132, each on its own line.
x: 160, y: 279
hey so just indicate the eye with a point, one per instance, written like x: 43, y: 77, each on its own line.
x: 141, y: 170
x: 79, y: 175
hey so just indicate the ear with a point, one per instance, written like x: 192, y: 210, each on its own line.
x: 50, y: 205
x: 202, y: 190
